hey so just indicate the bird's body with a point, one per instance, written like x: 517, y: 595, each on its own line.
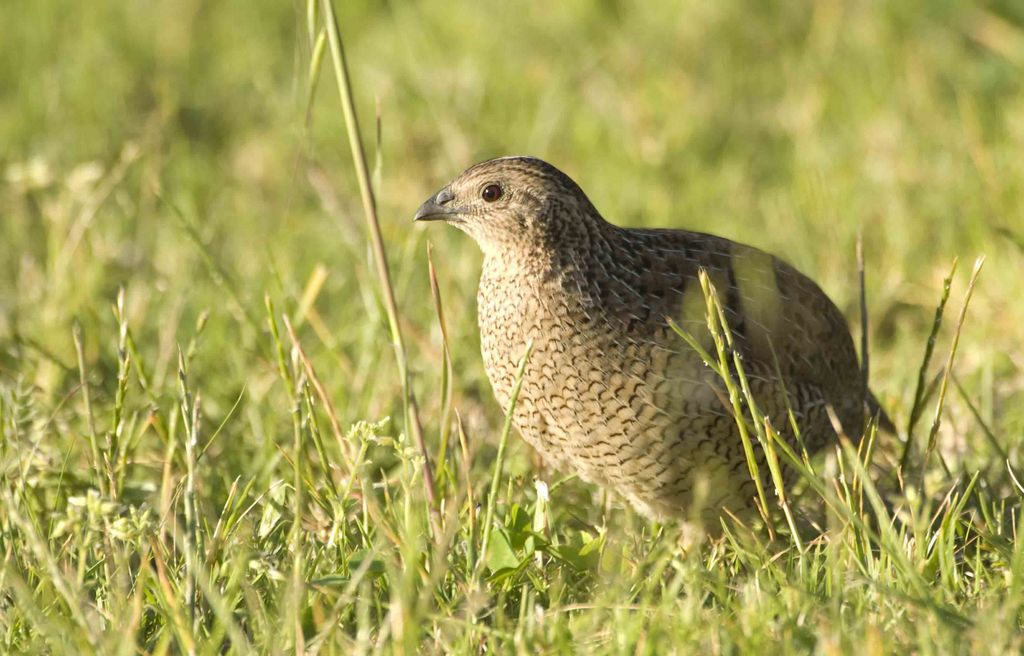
x: 611, y: 391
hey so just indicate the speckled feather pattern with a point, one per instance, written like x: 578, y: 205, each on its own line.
x: 611, y: 391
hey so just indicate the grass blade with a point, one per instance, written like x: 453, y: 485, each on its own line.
x: 377, y: 244
x: 922, y: 374
x: 492, y: 494
x: 947, y: 372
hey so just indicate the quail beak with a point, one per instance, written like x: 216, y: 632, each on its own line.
x: 438, y: 208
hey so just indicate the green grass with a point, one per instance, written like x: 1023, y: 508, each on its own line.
x: 176, y: 475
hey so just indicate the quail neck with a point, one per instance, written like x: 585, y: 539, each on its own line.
x: 611, y: 392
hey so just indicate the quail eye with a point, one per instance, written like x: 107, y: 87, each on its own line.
x: 491, y: 193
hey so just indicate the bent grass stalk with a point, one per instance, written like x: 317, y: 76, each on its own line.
x: 947, y: 372
x: 447, y: 377
x: 766, y: 434
x: 321, y: 392
x: 921, y: 390
x: 340, y: 64
x: 985, y: 429
x: 762, y: 425
x: 190, y: 539
x: 492, y: 494
x: 94, y: 448
x: 720, y: 366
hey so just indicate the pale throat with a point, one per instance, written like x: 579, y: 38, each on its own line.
x: 527, y: 262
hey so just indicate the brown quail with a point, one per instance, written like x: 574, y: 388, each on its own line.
x: 611, y: 392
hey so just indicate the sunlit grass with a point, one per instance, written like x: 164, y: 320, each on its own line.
x: 208, y: 443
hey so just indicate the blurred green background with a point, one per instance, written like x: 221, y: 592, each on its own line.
x: 788, y: 127
x: 169, y: 149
